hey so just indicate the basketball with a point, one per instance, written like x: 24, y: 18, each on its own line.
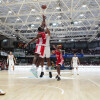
x: 43, y: 6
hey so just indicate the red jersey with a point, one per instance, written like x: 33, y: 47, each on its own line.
x: 59, y: 55
x: 42, y: 40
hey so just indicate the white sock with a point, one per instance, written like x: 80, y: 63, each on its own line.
x: 41, y: 69
x: 77, y: 71
x: 49, y: 68
x: 72, y: 71
x: 33, y: 65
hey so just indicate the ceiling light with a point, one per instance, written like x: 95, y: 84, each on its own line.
x: 38, y: 18
x: 83, y: 6
x: 33, y: 10
x: 5, y: 40
x: 54, y: 24
x: 59, y: 16
x: 75, y: 22
x: 32, y: 25
x: 57, y: 8
x: 0, y: 1
x: 81, y: 15
x: 14, y: 35
x: 72, y: 39
x: 9, y: 12
x: 96, y: 25
x: 17, y: 19
x: 59, y: 40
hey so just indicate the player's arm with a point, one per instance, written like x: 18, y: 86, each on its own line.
x: 56, y: 48
x: 43, y: 22
x: 72, y: 61
x: 14, y: 59
x: 7, y: 59
x: 38, y: 36
x: 48, y: 31
x: 78, y: 61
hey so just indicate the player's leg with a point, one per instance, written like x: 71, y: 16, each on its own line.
x: 42, y: 55
x: 77, y: 70
x: 58, y: 72
x: 33, y: 69
x: 47, y: 54
x: 13, y: 68
x: 42, y: 64
x: 36, y: 56
x: 49, y: 65
x: 73, y: 71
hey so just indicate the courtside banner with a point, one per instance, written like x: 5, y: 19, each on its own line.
x: 69, y: 55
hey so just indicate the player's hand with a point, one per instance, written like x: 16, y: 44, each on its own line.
x: 25, y: 45
x: 54, y: 46
x: 44, y: 17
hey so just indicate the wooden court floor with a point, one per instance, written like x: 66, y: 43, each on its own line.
x: 86, y: 86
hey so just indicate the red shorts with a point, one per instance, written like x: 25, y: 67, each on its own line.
x: 40, y: 50
x: 60, y: 62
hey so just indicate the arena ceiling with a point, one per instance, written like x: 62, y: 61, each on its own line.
x: 68, y: 20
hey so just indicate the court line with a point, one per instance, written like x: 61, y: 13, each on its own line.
x: 94, y: 82
x: 43, y: 78
x: 62, y: 91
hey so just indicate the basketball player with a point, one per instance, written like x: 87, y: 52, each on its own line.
x: 10, y: 61
x: 75, y: 62
x: 40, y: 45
x: 46, y: 54
x: 60, y: 59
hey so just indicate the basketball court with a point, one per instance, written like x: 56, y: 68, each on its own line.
x: 66, y: 32
x: 27, y: 87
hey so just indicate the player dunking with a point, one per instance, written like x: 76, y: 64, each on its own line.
x: 10, y: 61
x: 60, y: 59
x: 40, y: 45
x: 75, y: 61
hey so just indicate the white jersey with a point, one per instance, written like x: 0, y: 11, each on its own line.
x: 47, y: 40
x: 10, y: 57
x: 10, y: 61
x: 75, y: 59
x: 47, y: 47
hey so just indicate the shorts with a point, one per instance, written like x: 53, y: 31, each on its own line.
x: 40, y: 50
x: 75, y: 65
x: 60, y: 62
x: 11, y: 64
x: 46, y: 52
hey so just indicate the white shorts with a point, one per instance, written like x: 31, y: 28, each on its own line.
x: 11, y: 64
x: 75, y: 65
x: 46, y: 52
